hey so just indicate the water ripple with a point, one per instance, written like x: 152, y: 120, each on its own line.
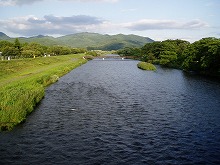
x: 110, y: 112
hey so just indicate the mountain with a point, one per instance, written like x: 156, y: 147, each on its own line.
x: 3, y: 36
x: 104, y: 42
x: 87, y: 40
x: 44, y: 40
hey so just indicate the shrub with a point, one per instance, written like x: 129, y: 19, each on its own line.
x: 146, y: 66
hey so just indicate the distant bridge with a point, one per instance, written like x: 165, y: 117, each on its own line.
x: 109, y: 57
x: 113, y: 56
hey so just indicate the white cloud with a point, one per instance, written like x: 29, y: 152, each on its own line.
x: 151, y: 24
x: 53, y: 25
x: 111, y: 1
x: 60, y: 25
x: 27, y: 2
x: 16, y: 2
x: 129, y: 10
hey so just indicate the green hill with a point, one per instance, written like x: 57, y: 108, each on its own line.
x: 45, y: 40
x: 90, y: 41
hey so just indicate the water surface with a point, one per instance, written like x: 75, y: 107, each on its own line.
x: 111, y: 112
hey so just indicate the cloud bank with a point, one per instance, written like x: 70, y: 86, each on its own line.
x: 17, y: 2
x: 51, y: 24
x: 59, y: 25
x: 151, y: 24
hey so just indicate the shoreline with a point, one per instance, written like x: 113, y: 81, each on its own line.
x: 22, y: 90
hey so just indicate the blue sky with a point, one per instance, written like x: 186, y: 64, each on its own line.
x: 158, y: 19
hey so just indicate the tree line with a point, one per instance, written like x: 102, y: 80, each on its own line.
x: 31, y: 50
x: 202, y: 56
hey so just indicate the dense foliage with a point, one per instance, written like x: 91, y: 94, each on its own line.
x: 202, y: 56
x: 28, y: 50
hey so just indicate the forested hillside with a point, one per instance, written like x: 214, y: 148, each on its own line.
x: 89, y: 41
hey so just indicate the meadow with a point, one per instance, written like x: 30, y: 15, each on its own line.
x: 23, y: 82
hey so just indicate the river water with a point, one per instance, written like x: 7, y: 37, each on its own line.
x: 111, y: 112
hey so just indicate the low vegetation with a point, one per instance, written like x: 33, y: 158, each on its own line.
x: 17, y: 50
x: 146, y: 66
x: 22, y: 84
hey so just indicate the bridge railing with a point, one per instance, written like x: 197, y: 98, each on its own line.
x: 109, y: 57
x: 117, y: 57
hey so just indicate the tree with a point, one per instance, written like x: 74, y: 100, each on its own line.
x: 3, y: 44
x: 153, y: 48
x: 10, y: 51
x: 17, y: 44
x: 130, y: 51
x: 168, y: 53
x: 92, y: 53
x: 203, y: 56
x: 32, y: 50
x: 28, y: 53
x: 168, y: 58
x: 78, y: 50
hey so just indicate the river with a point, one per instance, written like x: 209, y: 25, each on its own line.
x: 111, y: 112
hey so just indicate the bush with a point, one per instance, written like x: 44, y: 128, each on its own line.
x: 146, y: 66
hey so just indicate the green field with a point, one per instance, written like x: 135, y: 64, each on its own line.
x: 22, y: 84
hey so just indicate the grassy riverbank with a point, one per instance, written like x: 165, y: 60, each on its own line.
x: 22, y: 84
x: 146, y: 66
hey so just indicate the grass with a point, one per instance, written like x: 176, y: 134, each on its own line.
x: 146, y: 66
x: 22, y: 84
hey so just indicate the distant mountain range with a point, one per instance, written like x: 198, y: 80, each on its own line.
x: 90, y: 41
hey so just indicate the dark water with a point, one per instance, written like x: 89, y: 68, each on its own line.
x: 111, y: 112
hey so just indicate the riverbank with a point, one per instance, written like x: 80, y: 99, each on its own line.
x: 22, y: 84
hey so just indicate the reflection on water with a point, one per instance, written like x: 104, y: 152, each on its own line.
x: 111, y: 112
